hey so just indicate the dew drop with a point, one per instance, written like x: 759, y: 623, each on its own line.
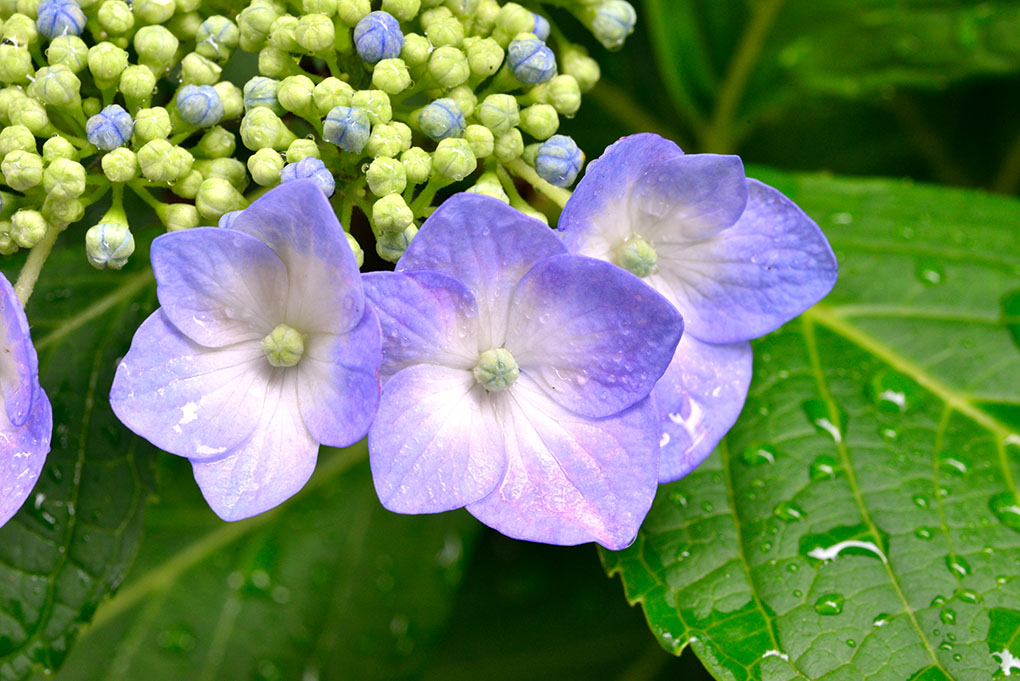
x: 958, y: 565
x: 829, y: 604
x: 881, y: 619
x: 925, y: 533
x: 797, y: 593
x: 1002, y: 579
x: 707, y: 507
x: 938, y: 602
x: 953, y: 464
x: 921, y: 501
x: 793, y: 567
x: 1005, y: 507
x: 852, y: 643
x: 947, y: 616
x: 678, y: 498
x: 929, y: 272
x: 824, y: 467
x: 817, y: 412
x: 788, y: 512
x: 892, y: 392
x: 758, y: 454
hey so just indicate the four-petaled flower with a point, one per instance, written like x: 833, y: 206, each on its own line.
x: 516, y: 380
x: 263, y: 348
x: 26, y: 420
x: 736, y: 257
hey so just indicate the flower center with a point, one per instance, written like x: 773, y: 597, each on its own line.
x: 496, y: 370
x: 284, y: 346
x: 637, y: 256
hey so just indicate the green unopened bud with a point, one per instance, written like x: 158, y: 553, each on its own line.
x: 153, y: 11
x: 231, y: 98
x: 20, y: 29
x: 481, y: 140
x: 302, y: 148
x: 15, y: 63
x: 187, y: 186
x: 512, y: 19
x: 496, y: 370
x: 446, y: 32
x: 22, y: 169
x: 64, y: 179
x: 352, y: 11
x: 583, y: 68
x: 562, y: 93
x: 415, y: 51
x: 499, y: 113
x: 384, y: 141
x: 151, y: 124
x: 9, y: 96
x: 115, y: 17
x: 359, y: 254
x: 449, y: 67
x: 229, y: 169
x: 484, y: 55
x: 255, y: 22
x: 391, y: 214
x: 454, y: 159
x: 327, y: 7
x: 488, y: 185
x: 91, y: 106
x: 160, y: 162
x: 178, y: 216
x: 217, y: 196
x: 434, y: 14
x: 417, y: 165
x: 188, y: 7
x: 486, y: 14
x: 32, y: 114
x: 68, y: 50
x: 120, y: 165
x: 56, y: 86
x: 296, y: 94
x: 30, y: 8
x: 403, y: 133
x: 261, y: 129
x: 265, y: 166
x: 508, y: 147
x: 386, y: 176
x: 315, y: 33
x: 375, y: 103
x: 282, y: 33
x: 107, y: 62
x: 8, y: 246
x: 108, y: 245
x: 186, y: 24
x: 391, y: 76
x: 403, y: 10
x: 16, y: 138
x: 199, y: 70
x: 331, y: 92
x: 217, y: 142
x: 137, y: 83
x: 274, y: 62
x: 61, y: 212
x: 540, y: 121
x: 58, y: 147
x: 392, y: 245
x: 216, y: 38
x: 283, y: 346
x: 28, y: 227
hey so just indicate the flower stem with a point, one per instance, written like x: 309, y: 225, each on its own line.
x: 33, y: 265
x: 522, y: 170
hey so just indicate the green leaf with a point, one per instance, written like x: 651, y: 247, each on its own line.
x: 862, y: 519
x: 328, y: 585
x: 75, y: 537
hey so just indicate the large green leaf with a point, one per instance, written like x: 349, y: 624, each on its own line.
x: 328, y: 586
x: 862, y: 519
x: 72, y: 542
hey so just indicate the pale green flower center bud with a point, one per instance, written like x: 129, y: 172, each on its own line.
x: 302, y: 148
x: 509, y: 147
x: 314, y: 32
x: 540, y: 121
x: 120, y: 165
x: 198, y: 70
x: 58, y: 147
x: 352, y: 11
x: 496, y: 370
x: 375, y: 103
x: 449, y: 66
x: 417, y: 164
x: 454, y: 159
x: 265, y: 166
x: 283, y: 346
x: 391, y: 214
x: 15, y: 63
x: 115, y: 16
x: 481, y: 140
x: 391, y: 76
x: 637, y: 256
x: 330, y: 93
x: 232, y: 99
x: 69, y: 50
x: 386, y: 176
x: 403, y: 10
x: 416, y: 49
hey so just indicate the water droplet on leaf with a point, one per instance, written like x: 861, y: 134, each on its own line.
x: 829, y: 604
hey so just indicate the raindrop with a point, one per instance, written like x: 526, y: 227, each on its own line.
x: 707, y: 507
x: 824, y: 467
x: 929, y: 272
x: 1002, y: 579
x: 797, y: 593
x: 829, y: 604
x: 757, y: 454
x: 792, y: 567
x: 881, y: 619
x: 892, y: 392
x: 947, y: 616
x: 852, y: 643
x: 788, y: 511
x: 924, y: 533
x: 678, y: 498
x: 818, y: 413
x: 1011, y: 314
x: 921, y: 501
x: 1005, y: 507
x: 938, y: 602
x: 954, y: 464
x: 958, y: 565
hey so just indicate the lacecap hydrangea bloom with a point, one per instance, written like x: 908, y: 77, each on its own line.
x: 26, y: 420
x: 516, y: 379
x: 736, y: 257
x: 263, y: 349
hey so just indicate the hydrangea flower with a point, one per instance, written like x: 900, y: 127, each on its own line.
x: 263, y: 349
x: 516, y: 380
x: 26, y: 420
x: 736, y: 257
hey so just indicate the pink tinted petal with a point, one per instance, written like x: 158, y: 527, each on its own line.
x: 688, y: 198
x: 269, y: 467
x: 596, y: 218
x: 297, y: 222
x: 187, y: 399
x: 19, y: 369
x: 23, y: 452
x: 699, y: 398
x: 435, y: 444
x: 487, y: 246
x: 425, y: 317
x: 594, y: 337
x: 748, y: 280
x: 218, y: 286
x: 571, y: 479
x: 338, y: 387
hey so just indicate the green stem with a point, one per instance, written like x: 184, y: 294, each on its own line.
x: 424, y: 199
x: 138, y: 188
x: 522, y: 170
x: 516, y: 200
x: 33, y: 265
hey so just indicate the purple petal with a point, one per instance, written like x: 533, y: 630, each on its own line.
x: 337, y: 385
x: 486, y: 245
x: 436, y: 444
x: 425, y: 317
x: 219, y: 286
x: 269, y: 467
x: 595, y: 218
x: 23, y: 452
x: 571, y: 479
x: 748, y: 280
x: 19, y: 368
x: 699, y: 398
x: 297, y: 222
x: 187, y: 399
x: 594, y: 337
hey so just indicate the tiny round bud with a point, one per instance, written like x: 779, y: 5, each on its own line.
x: 254, y: 23
x: 481, y: 140
x: 417, y: 165
x: 496, y: 370
x: 137, y: 83
x: 30, y: 113
x: 434, y: 14
x: 187, y: 186
x: 61, y: 212
x: 559, y: 160
x: 28, y: 227
x: 108, y: 245
x: 446, y: 32
x: 403, y: 133
x: 416, y: 50
x: 120, y: 165
x: 375, y: 103
x: 186, y: 24
x: 390, y: 246
x: 466, y: 99
x: 378, y: 36
x: 511, y: 20
x: 352, y: 11
x: 229, y: 169
x: 499, y: 113
x: 541, y: 29
x: 9, y: 247
x: 153, y: 11
x: 261, y: 128
x: 391, y: 76
x: 302, y: 148
x: 347, y: 127
x: 489, y: 186
x: 56, y: 86
x: 454, y: 159
x: 564, y: 94
x: 283, y: 346
x: 22, y: 169
x: 330, y: 93
x: 20, y: 29
x: 449, y: 67
x: 199, y: 105
x: 265, y: 166
x: 56, y: 147
x: 385, y: 140
x: 151, y: 124
x: 64, y: 179
x: 217, y: 196
x: 68, y: 50
x: 315, y: 33
x: 282, y: 34
x: 311, y: 168
x: 217, y: 142
x: 636, y: 256
x: 359, y: 255
x: 110, y: 128
x: 179, y: 216
x: 261, y: 91
x: 296, y: 94
x: 16, y: 138
x: 107, y: 62
x: 540, y: 121
x: 402, y: 10
x: 198, y: 70
x: 484, y: 55
x: 441, y: 119
x: 15, y: 64
x: 583, y: 68
x: 509, y: 146
x: 386, y: 176
x: 156, y: 47
x: 327, y: 7
x: 232, y: 99
x: 274, y: 62
x: 159, y: 161
x: 115, y: 17
x: 531, y: 61
x: 611, y: 21
x: 59, y: 17
x: 391, y: 214
x: 217, y: 37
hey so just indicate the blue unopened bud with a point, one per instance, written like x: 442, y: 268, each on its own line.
x: 108, y: 245
x: 541, y: 28
x: 60, y: 17
x: 531, y: 61
x: 216, y: 38
x: 559, y: 160
x: 441, y: 119
x: 347, y: 127
x: 611, y: 22
x: 199, y: 105
x: 110, y: 128
x: 378, y: 36
x: 261, y: 91
x: 312, y: 168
